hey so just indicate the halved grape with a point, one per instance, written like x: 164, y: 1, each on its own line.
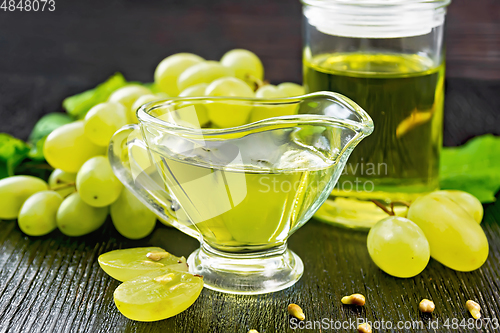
x: 246, y: 65
x: 76, y: 218
x: 96, y: 182
x: 203, y: 72
x: 128, y: 95
x: 38, y: 214
x: 467, y: 201
x: 398, y: 247
x: 67, y: 147
x: 229, y: 113
x: 127, y: 264
x: 103, y: 120
x: 170, y: 68
x: 62, y: 182
x: 157, y: 295
x: 130, y: 217
x: 14, y: 191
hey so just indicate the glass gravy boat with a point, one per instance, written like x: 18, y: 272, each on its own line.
x: 244, y: 189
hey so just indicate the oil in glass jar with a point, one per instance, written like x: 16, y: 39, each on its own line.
x: 403, y: 93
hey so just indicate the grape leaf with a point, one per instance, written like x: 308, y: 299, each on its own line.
x: 47, y: 124
x: 78, y: 105
x: 473, y: 167
x: 12, y: 152
x: 36, y: 150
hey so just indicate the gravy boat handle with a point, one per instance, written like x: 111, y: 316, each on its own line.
x: 134, y: 176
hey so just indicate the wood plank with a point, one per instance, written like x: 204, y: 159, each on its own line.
x: 53, y: 283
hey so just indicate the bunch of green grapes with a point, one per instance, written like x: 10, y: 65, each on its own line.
x: 239, y: 73
x: 83, y: 190
x: 444, y: 225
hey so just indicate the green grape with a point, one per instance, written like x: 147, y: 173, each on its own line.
x: 139, y: 159
x: 76, y: 218
x: 67, y: 147
x: 128, y: 95
x: 228, y: 113
x: 62, y: 182
x: 194, y: 91
x: 14, y: 191
x: 103, y: 120
x: 398, y: 247
x: 157, y: 295
x: 269, y: 111
x: 201, y: 111
x: 246, y: 65
x: 269, y: 91
x: 96, y: 182
x: 169, y: 69
x: 291, y: 89
x: 162, y: 95
x: 131, y: 218
x: 204, y: 72
x: 124, y: 265
x: 455, y: 238
x: 467, y: 201
x: 38, y: 214
x: 140, y: 102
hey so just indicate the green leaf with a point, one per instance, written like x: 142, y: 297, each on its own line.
x: 36, y: 151
x: 78, y: 105
x: 12, y: 152
x: 47, y: 124
x: 473, y: 167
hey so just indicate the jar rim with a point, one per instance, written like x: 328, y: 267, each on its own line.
x: 375, y: 18
x: 378, y: 3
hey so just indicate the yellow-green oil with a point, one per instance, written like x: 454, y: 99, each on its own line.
x: 403, y: 94
x: 240, y: 209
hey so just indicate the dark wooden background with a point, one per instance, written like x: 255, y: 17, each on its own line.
x: 53, y: 283
x: 47, y: 56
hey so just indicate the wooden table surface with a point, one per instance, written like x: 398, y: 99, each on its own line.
x: 54, y: 284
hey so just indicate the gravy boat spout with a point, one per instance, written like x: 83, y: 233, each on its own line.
x: 240, y: 175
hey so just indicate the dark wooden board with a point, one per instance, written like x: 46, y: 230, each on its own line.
x: 54, y: 284
x: 47, y: 56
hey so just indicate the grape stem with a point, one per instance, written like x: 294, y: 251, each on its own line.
x: 256, y: 81
x: 404, y: 203
x: 391, y: 211
x: 60, y: 187
x: 67, y: 195
x: 384, y: 208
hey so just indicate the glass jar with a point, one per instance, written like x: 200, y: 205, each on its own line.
x: 388, y: 57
